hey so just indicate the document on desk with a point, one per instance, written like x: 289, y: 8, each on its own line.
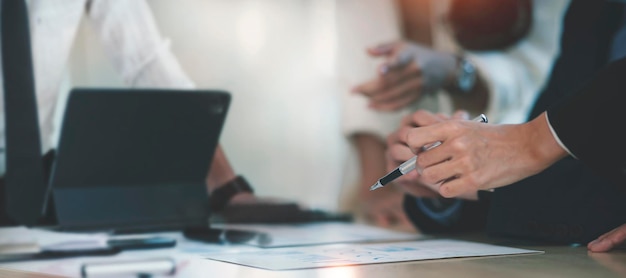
x: 357, y: 254
x: 40, y: 239
x: 284, y: 235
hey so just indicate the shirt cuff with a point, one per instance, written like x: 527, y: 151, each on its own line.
x: 556, y: 137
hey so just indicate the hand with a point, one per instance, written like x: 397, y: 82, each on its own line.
x: 399, y: 152
x: 220, y: 171
x: 409, y: 71
x: 384, y: 208
x: 474, y: 156
x: 609, y: 240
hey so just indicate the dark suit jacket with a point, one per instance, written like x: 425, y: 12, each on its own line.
x: 572, y: 201
x: 592, y: 123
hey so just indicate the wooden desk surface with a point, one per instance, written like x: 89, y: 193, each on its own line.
x: 558, y: 261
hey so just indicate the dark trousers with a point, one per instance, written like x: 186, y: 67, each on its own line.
x: 49, y: 218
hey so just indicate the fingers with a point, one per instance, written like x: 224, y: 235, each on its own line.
x: 427, y: 133
x: 397, y: 153
x: 385, y: 209
x: 400, y: 78
x: 396, y: 53
x: 379, y: 85
x: 389, y: 218
x: 399, y: 59
x: 455, y: 187
x: 450, y: 166
x: 440, y: 174
x: 370, y: 88
x: 383, y: 85
x: 383, y: 49
x: 403, y: 137
x: 379, y: 218
x: 397, y: 97
x: 609, y: 240
x: 397, y: 150
x: 421, y: 118
x: 398, y: 72
x: 447, y: 170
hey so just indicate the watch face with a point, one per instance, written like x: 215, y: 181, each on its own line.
x: 466, y: 75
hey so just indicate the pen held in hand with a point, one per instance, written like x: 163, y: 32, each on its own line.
x: 409, y: 165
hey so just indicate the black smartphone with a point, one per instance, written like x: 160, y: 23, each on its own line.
x: 141, y: 243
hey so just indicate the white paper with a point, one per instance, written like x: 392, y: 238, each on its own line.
x: 319, y: 233
x: 184, y: 253
x: 51, y: 240
x: 16, y: 240
x: 357, y: 254
x: 16, y: 235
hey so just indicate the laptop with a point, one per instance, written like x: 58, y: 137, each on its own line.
x: 136, y: 159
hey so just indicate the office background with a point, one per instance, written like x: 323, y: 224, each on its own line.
x: 277, y: 58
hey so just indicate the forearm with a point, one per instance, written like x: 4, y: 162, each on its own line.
x: 220, y: 171
x: 371, y: 151
x: 541, y: 145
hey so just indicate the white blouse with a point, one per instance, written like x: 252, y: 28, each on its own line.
x: 129, y: 37
x: 514, y: 76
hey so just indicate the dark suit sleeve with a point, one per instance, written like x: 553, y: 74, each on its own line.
x: 592, y: 123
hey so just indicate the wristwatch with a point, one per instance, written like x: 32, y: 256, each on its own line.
x: 220, y: 197
x: 466, y: 75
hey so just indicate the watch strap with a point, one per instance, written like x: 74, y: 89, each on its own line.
x: 220, y: 197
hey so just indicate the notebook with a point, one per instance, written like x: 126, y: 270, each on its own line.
x: 136, y: 159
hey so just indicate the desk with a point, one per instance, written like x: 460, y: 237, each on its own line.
x: 558, y: 261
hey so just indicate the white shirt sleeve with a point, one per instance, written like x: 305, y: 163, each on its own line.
x: 131, y: 39
x: 516, y: 75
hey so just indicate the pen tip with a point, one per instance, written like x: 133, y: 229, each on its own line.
x: 376, y: 186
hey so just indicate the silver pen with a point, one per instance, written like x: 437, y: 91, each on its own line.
x: 409, y: 165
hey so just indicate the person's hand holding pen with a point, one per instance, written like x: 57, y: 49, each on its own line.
x: 399, y: 152
x: 409, y: 71
x: 474, y: 156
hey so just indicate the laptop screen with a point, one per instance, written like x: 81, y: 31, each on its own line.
x: 136, y: 158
